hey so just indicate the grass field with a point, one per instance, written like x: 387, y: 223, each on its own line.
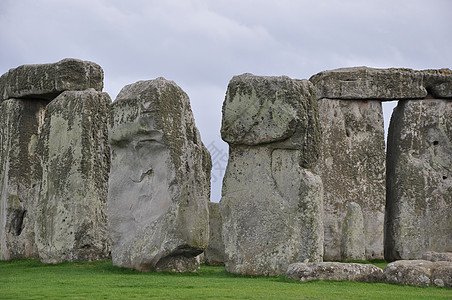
x: 30, y: 279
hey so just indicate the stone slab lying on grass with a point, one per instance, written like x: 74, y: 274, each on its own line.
x: 437, y: 256
x: 334, y: 271
x: 46, y: 81
x: 419, y: 273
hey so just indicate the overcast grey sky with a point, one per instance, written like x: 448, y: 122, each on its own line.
x: 202, y: 44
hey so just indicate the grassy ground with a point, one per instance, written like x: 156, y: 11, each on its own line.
x: 30, y: 279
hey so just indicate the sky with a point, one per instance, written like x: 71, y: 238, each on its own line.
x: 201, y: 44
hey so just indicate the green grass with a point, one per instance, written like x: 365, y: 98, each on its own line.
x: 30, y: 279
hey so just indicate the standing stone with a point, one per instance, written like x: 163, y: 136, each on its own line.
x: 353, y: 243
x: 159, y: 181
x: 419, y: 179
x: 71, y: 222
x: 46, y: 81
x: 214, y: 254
x: 352, y: 167
x: 20, y: 176
x: 271, y: 203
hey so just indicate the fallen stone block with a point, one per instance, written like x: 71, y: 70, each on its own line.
x: 437, y: 256
x: 419, y: 273
x: 334, y: 271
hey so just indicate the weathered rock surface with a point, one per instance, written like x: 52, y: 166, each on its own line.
x: 353, y: 243
x: 442, y: 274
x: 419, y: 273
x: 334, y: 271
x: 437, y: 256
x: 71, y: 222
x: 46, y: 81
x: 261, y: 109
x: 159, y: 181
x: 419, y: 180
x: 352, y: 167
x: 214, y: 254
x: 383, y: 84
x: 20, y: 176
x: 271, y: 203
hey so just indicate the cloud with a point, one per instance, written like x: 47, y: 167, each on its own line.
x: 201, y: 44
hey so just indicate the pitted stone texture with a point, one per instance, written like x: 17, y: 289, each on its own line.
x: 261, y: 109
x: 352, y: 167
x: 419, y: 180
x: 71, y: 222
x: 159, y: 181
x: 334, y: 271
x: 214, y: 254
x: 442, y: 274
x: 271, y: 203
x: 20, y: 176
x: 383, y: 84
x: 419, y: 273
x: 46, y: 81
x: 271, y: 210
x: 353, y: 242
x: 437, y: 256
x: 438, y: 83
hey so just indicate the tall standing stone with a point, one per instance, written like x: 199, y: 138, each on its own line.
x: 419, y: 179
x: 271, y: 203
x: 71, y: 222
x: 20, y: 175
x: 352, y: 167
x: 25, y: 91
x: 159, y: 181
x: 353, y: 244
x: 353, y: 158
x: 352, y: 164
x: 214, y: 254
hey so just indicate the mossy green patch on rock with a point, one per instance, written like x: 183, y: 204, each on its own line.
x: 262, y: 110
x: 75, y: 159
